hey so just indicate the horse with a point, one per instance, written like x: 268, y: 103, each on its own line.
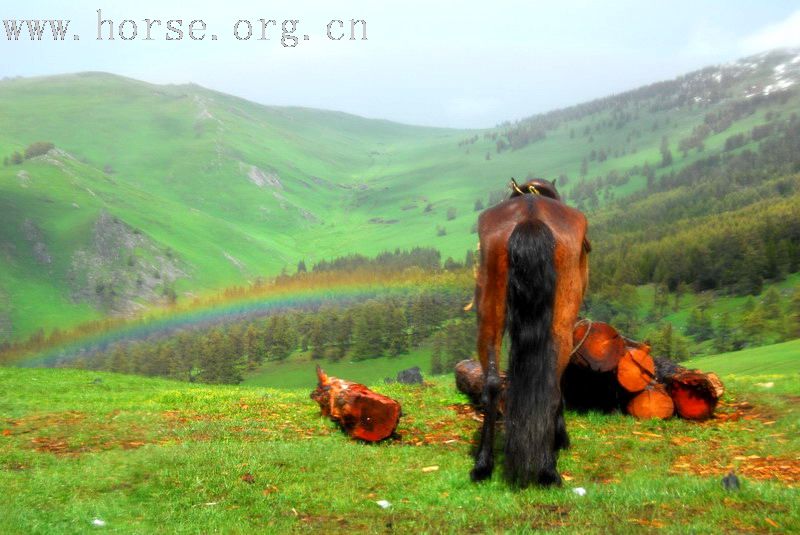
x: 533, y: 273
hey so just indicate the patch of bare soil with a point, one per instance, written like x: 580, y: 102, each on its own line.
x: 71, y: 433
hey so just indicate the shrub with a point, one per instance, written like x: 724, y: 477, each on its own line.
x: 38, y: 148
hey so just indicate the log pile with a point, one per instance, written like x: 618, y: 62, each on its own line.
x: 362, y: 413
x: 610, y: 372
x: 650, y: 387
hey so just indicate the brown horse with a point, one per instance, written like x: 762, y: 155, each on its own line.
x: 532, y: 277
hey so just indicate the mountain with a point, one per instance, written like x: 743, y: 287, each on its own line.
x: 151, y: 192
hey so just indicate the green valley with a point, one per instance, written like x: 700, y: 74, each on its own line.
x: 153, y: 194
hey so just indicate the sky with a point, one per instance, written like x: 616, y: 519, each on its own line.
x: 458, y: 64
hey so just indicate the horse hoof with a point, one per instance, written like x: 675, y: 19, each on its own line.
x: 479, y: 473
x: 549, y: 478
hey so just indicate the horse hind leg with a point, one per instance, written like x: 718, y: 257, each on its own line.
x: 562, y: 437
x: 484, y: 460
x: 490, y: 336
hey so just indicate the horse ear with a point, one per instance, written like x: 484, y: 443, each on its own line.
x: 553, y: 182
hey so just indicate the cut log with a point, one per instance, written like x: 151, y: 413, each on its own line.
x: 469, y: 380
x: 716, y: 384
x: 636, y: 370
x: 600, y: 348
x: 630, y: 342
x: 362, y: 413
x: 653, y: 402
x: 695, y: 394
x: 666, y: 369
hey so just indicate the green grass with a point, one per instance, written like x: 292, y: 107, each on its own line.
x: 149, y: 455
x: 778, y: 358
x: 299, y: 371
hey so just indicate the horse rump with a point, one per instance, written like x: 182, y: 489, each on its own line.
x: 533, y: 394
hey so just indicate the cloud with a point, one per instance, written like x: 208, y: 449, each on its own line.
x: 784, y: 34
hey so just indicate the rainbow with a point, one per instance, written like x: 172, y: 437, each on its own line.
x: 296, y: 294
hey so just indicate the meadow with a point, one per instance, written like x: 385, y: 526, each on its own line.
x: 161, y: 209
x: 151, y: 455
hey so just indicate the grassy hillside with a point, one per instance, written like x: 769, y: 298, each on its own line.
x: 774, y: 359
x: 299, y: 371
x: 147, y: 455
x: 205, y: 190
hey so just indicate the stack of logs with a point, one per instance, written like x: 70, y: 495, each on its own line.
x: 610, y: 372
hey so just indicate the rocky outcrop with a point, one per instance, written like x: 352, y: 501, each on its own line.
x: 121, y: 268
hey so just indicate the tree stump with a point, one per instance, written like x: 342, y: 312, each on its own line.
x: 362, y: 413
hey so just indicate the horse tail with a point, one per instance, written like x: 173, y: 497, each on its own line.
x: 532, y: 397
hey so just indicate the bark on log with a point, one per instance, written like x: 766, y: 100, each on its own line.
x: 636, y: 370
x: 666, y: 369
x: 362, y: 413
x: 600, y: 349
x: 653, y: 402
x: 469, y: 380
x: 695, y: 394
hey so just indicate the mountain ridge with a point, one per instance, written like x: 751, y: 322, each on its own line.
x: 234, y: 190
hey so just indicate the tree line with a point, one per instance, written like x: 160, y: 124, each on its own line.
x: 382, y: 327
x: 727, y: 222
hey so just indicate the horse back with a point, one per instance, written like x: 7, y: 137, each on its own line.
x: 567, y: 224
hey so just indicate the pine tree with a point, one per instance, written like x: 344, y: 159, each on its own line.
x: 218, y: 364
x: 662, y: 342
x: 699, y: 325
x: 754, y: 325
x: 666, y: 153
x: 367, y: 332
x: 459, y: 342
x: 793, y: 328
x: 316, y: 338
x: 723, y: 334
x: 397, y: 332
x: 469, y: 259
x: 282, y: 338
x: 771, y: 304
x: 660, y: 300
x: 343, y: 335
